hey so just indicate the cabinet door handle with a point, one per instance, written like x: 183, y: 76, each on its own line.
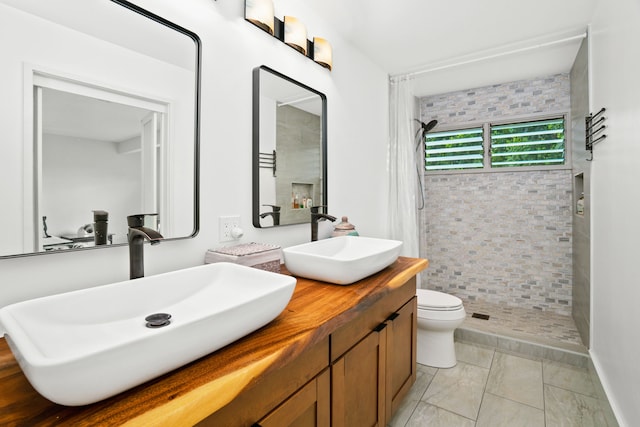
x: 380, y: 327
x: 393, y: 317
x: 256, y: 425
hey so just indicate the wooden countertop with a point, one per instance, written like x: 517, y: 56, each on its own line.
x: 192, y: 392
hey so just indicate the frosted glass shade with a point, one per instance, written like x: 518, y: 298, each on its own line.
x: 260, y: 13
x: 295, y: 34
x: 322, y: 52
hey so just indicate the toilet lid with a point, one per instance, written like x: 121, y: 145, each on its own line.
x: 433, y: 300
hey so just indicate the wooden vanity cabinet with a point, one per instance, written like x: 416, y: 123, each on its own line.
x: 308, y: 407
x: 374, y: 361
x: 402, y: 329
x: 356, y: 377
x: 295, y: 395
x: 358, y: 383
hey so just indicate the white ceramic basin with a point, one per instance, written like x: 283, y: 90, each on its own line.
x: 341, y: 260
x: 84, y: 346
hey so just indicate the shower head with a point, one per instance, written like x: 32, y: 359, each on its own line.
x: 424, y: 128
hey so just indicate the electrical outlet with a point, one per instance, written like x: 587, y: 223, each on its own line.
x: 226, y: 224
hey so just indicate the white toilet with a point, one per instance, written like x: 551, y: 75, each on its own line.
x: 439, y: 314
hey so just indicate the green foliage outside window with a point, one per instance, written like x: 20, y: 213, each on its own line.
x: 534, y: 143
x: 460, y: 149
x: 540, y: 143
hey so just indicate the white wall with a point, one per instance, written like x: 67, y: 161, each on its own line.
x: 615, y: 226
x: 356, y: 93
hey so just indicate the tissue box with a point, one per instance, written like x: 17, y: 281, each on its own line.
x: 258, y: 255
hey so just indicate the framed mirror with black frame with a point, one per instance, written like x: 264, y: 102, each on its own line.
x: 289, y: 149
x: 100, y: 113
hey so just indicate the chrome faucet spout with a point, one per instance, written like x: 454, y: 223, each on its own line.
x: 136, y: 236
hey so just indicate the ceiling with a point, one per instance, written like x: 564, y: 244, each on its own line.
x: 79, y: 116
x: 405, y: 36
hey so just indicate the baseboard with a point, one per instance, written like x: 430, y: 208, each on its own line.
x: 600, y: 381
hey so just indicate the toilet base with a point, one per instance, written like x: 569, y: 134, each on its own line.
x: 436, y: 349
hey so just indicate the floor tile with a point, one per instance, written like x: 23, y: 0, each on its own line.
x: 424, y: 376
x: 432, y: 416
x: 458, y: 389
x: 524, y: 323
x: 568, y: 377
x: 474, y: 354
x: 496, y: 411
x: 517, y: 379
x: 569, y: 409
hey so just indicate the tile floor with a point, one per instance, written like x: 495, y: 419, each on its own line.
x: 542, y: 327
x: 494, y: 387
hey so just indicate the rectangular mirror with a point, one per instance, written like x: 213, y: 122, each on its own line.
x: 289, y: 149
x: 100, y: 113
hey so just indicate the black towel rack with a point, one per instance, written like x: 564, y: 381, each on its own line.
x: 268, y: 161
x: 593, y: 125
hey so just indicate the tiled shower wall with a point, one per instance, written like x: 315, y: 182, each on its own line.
x: 503, y: 237
x: 582, y: 172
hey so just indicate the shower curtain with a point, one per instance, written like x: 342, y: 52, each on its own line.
x: 403, y: 182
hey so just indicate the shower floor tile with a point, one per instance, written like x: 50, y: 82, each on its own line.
x: 541, y: 327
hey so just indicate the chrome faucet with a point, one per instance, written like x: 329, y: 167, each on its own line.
x: 136, y: 237
x: 317, y: 217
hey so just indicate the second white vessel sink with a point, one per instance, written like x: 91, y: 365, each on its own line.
x: 341, y: 260
x: 84, y: 346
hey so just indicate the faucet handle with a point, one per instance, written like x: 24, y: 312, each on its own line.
x: 314, y: 209
x: 137, y: 220
x: 275, y: 207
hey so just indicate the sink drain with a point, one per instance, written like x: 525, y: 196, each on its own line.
x: 157, y: 320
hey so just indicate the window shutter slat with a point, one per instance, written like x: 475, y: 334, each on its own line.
x: 460, y: 149
x: 538, y: 143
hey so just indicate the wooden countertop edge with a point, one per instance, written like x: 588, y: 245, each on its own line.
x: 408, y: 273
x: 199, y: 403
x: 193, y: 405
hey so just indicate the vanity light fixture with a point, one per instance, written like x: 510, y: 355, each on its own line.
x: 260, y: 13
x: 322, y: 52
x: 295, y: 34
x: 289, y: 30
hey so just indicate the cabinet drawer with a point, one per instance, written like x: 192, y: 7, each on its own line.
x: 369, y: 318
x: 308, y: 407
x: 261, y: 398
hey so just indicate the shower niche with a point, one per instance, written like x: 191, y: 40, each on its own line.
x: 578, y: 194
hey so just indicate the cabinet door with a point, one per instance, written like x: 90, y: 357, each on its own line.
x: 358, y: 383
x: 308, y: 407
x: 401, y: 356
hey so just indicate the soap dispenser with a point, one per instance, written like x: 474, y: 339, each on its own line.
x: 344, y: 229
x: 580, y: 205
x: 100, y: 226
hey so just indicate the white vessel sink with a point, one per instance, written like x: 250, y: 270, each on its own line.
x: 341, y: 260
x: 84, y: 346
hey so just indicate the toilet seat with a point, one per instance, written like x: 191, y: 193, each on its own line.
x: 437, y: 301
